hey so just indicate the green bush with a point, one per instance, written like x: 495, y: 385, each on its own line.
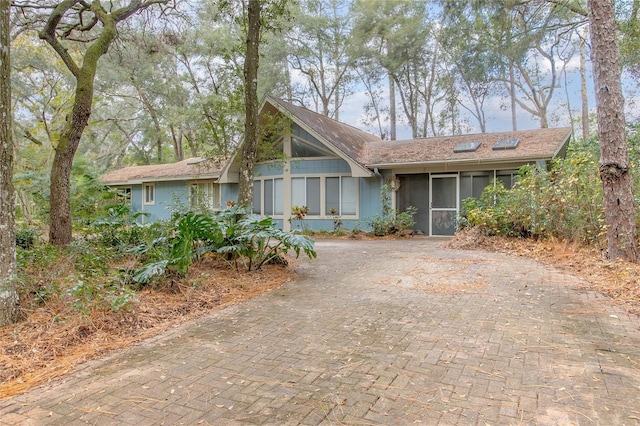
x: 565, y: 202
x: 252, y: 241
x: 245, y: 240
x: 390, y: 222
x: 26, y: 237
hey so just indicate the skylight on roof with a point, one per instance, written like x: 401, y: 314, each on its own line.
x: 195, y: 161
x: 506, y: 144
x: 467, y: 146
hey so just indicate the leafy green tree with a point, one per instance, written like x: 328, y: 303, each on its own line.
x: 318, y: 45
x: 526, y: 42
x: 393, y: 36
x: 80, y: 33
x: 628, y: 14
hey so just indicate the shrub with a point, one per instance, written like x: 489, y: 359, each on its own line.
x: 246, y: 240
x: 26, y: 237
x: 390, y: 222
x: 252, y: 241
x: 565, y: 202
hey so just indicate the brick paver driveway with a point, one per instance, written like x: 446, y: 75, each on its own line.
x: 375, y: 332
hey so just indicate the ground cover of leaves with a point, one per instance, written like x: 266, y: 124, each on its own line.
x: 617, y: 279
x: 53, y: 337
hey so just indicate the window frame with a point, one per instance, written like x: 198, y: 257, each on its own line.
x: 275, y: 190
x: 305, y: 179
x: 324, y: 212
x: 341, y: 201
x: 211, y: 200
x: 149, y: 201
x: 124, y: 195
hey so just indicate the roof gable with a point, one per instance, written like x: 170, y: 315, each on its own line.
x: 341, y: 137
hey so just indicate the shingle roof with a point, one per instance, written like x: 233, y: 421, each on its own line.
x: 533, y: 144
x: 348, y: 139
x: 191, y: 168
x: 369, y: 151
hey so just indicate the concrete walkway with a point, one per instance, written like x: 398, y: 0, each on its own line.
x: 374, y: 332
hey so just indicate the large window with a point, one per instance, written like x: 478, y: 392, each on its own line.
x: 302, y: 149
x: 273, y: 197
x: 341, y: 195
x: 149, y: 194
x: 305, y: 191
x: 473, y: 184
x: 204, y: 196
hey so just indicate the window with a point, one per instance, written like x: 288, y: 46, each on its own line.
x: 273, y: 199
x: 306, y: 192
x: 149, y: 193
x: 507, y: 177
x: 503, y: 144
x: 473, y: 184
x: 341, y: 195
x: 204, y: 195
x: 301, y: 149
x: 123, y: 195
x: 257, y: 197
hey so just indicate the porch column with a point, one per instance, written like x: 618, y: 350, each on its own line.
x: 286, y: 184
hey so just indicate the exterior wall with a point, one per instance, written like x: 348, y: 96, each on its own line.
x: 136, y: 198
x: 268, y: 169
x: 370, y: 196
x: 229, y: 192
x: 166, y: 195
x: 321, y: 166
x: 325, y: 171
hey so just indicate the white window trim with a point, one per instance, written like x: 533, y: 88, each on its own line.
x: 305, y: 178
x: 216, y: 188
x: 324, y: 214
x: 323, y: 189
x: 144, y: 194
x: 262, y: 180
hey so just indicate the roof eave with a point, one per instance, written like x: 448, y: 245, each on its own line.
x: 526, y: 159
x: 139, y: 181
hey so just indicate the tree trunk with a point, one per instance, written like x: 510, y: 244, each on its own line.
x: 67, y: 145
x: 60, y: 230
x: 392, y: 109
x: 8, y: 293
x: 250, y: 145
x: 583, y: 87
x: 615, y: 172
x: 512, y: 95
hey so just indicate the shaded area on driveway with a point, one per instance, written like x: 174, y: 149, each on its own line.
x: 375, y: 332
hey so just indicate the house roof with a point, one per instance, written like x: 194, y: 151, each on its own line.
x: 538, y: 144
x: 191, y: 168
x: 347, y: 139
x: 366, y: 152
x: 370, y: 151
